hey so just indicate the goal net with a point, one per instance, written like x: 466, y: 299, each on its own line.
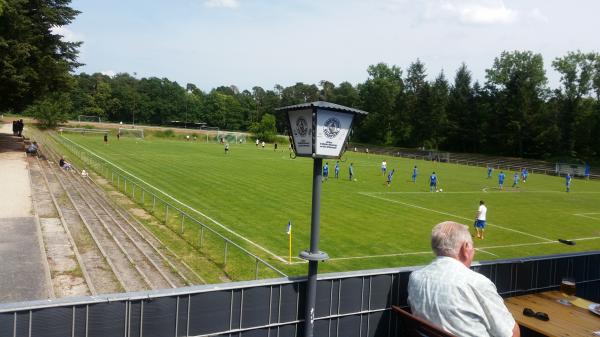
x: 439, y: 156
x: 89, y: 119
x: 231, y: 137
x: 83, y: 131
x: 134, y: 133
x: 577, y: 170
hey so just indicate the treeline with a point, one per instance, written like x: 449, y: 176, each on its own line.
x: 514, y: 112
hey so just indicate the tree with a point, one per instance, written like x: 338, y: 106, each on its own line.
x: 265, y: 130
x: 462, y: 124
x: 576, y: 106
x: 519, y: 80
x: 378, y: 96
x: 51, y: 111
x: 35, y: 61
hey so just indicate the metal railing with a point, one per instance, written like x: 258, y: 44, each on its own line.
x: 351, y: 304
x: 223, y: 251
x: 495, y: 163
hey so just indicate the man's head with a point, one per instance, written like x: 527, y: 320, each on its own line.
x: 452, y: 239
x: 481, y: 202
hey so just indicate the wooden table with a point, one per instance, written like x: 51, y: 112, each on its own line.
x: 564, y: 320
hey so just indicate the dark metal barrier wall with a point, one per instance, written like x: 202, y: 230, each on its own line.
x: 348, y: 304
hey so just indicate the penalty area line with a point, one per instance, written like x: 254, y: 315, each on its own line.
x: 452, y: 215
x: 185, y: 205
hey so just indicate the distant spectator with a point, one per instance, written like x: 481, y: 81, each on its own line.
x: 64, y: 164
x: 20, y: 126
x: 84, y: 173
x: 32, y: 149
x: 14, y: 128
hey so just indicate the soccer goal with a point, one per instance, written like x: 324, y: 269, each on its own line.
x: 89, y: 119
x: 83, y: 131
x: 211, y: 132
x: 231, y: 137
x: 134, y: 133
x: 576, y: 170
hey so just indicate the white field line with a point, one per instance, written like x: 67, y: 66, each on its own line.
x: 486, y: 252
x: 187, y: 206
x: 452, y: 215
x: 585, y: 215
x: 485, y: 190
x: 479, y: 249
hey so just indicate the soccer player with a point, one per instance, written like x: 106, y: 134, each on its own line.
x: 433, y: 182
x: 568, y: 182
x: 524, y: 174
x: 337, y: 170
x: 515, y: 180
x: 226, y: 148
x: 588, y: 170
x: 501, y: 177
x: 257, y: 141
x: 414, y: 174
x: 480, y: 219
x: 389, y: 178
x: 326, y: 172
x: 383, y: 167
x: 350, y: 172
x: 489, y: 169
x: 106, y: 138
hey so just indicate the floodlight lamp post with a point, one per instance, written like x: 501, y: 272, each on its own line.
x: 317, y: 130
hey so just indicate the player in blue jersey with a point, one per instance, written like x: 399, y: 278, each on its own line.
x: 587, y: 172
x: 568, y: 182
x: 337, y: 170
x: 515, y: 180
x: 524, y: 174
x: 389, y: 178
x: 433, y: 180
x: 501, y: 177
x: 350, y: 172
x: 489, y: 170
x: 414, y: 174
x: 326, y: 172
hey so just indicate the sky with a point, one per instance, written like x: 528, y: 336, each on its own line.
x: 250, y: 43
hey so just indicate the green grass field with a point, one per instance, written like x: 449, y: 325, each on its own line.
x: 364, y: 224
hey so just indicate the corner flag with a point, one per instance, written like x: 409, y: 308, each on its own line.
x: 289, y: 233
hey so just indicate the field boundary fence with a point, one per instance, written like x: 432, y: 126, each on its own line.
x: 214, y: 245
x: 350, y: 304
x: 494, y: 163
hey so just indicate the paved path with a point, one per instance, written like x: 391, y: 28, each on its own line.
x: 23, y: 264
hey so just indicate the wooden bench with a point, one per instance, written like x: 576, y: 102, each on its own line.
x: 418, y: 327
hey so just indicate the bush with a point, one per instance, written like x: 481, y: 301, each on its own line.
x: 266, y: 129
x: 51, y: 111
x: 164, y: 133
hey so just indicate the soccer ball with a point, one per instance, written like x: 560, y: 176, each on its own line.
x: 355, y: 179
x: 441, y: 190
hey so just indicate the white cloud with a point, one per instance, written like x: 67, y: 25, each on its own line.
x: 67, y: 34
x: 537, y: 15
x: 110, y: 73
x: 473, y: 12
x: 222, y: 3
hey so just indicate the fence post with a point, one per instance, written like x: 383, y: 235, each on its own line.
x: 153, y: 202
x: 118, y: 182
x: 166, y: 213
x: 133, y: 192
x: 182, y: 220
x: 125, y: 185
x: 143, y: 196
x: 256, y: 270
x: 225, y: 258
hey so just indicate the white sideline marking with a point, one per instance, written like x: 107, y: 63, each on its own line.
x: 376, y: 256
x: 585, y: 215
x: 189, y: 207
x: 452, y: 215
x: 486, y: 252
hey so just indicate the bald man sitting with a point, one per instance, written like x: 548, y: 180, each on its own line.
x: 452, y: 296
